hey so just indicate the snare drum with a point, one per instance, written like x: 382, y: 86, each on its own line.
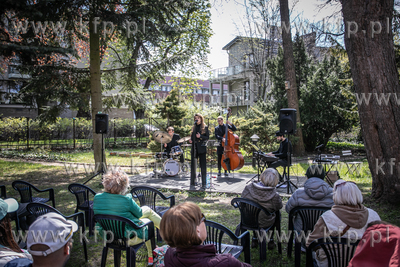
x: 161, y: 155
x: 171, y: 167
x: 176, y: 151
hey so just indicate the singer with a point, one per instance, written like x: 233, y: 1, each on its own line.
x: 199, y: 136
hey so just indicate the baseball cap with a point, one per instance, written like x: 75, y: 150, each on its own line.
x: 52, y: 230
x: 6, y: 206
x: 278, y: 133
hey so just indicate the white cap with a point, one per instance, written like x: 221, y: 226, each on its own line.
x: 52, y: 230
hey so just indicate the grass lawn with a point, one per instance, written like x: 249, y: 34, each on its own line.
x: 215, y: 206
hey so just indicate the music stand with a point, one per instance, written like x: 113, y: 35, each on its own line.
x: 258, y: 150
x: 288, y: 182
x: 102, y: 160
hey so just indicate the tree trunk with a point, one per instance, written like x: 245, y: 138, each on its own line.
x: 373, y: 68
x: 95, y: 91
x: 290, y: 73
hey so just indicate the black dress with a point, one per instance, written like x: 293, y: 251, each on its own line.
x: 198, y: 144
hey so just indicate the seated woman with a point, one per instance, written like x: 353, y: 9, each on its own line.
x: 315, y: 193
x: 348, y: 217
x: 9, y: 249
x: 380, y: 237
x: 183, y: 228
x: 265, y: 194
x: 115, y: 201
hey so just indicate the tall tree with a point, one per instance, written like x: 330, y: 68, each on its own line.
x: 373, y: 67
x: 293, y: 101
x: 158, y: 37
x: 326, y: 103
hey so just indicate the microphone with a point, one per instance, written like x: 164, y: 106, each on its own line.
x: 195, y: 122
x: 318, y: 147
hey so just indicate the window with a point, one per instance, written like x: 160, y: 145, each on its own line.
x: 10, y: 92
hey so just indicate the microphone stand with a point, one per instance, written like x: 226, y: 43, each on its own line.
x: 194, y: 158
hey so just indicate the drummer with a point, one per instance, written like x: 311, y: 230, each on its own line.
x: 175, y: 137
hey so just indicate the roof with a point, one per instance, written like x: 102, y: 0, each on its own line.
x: 238, y: 39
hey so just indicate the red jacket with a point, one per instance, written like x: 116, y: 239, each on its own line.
x: 200, y: 256
x: 371, y: 252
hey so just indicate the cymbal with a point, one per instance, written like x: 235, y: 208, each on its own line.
x: 162, y: 137
x: 183, y: 139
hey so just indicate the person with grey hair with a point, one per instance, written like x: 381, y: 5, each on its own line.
x: 115, y: 201
x: 347, y: 218
x: 265, y: 194
x: 315, y: 193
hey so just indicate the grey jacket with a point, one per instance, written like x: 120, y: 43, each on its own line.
x: 266, y: 197
x: 315, y: 192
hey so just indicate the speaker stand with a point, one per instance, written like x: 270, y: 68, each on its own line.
x: 288, y: 183
x: 101, y: 171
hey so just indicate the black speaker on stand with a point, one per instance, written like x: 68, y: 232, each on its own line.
x: 101, y: 127
x: 287, y: 120
x: 287, y: 126
x: 101, y: 123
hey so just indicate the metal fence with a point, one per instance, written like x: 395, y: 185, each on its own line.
x: 65, y: 134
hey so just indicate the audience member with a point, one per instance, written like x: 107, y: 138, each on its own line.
x: 49, y: 240
x: 379, y: 246
x: 347, y: 218
x: 183, y: 228
x: 265, y: 194
x: 115, y: 201
x: 315, y: 193
x: 9, y: 249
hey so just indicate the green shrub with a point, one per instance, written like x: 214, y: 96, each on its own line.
x: 344, y: 146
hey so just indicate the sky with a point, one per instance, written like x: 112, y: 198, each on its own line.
x: 228, y: 15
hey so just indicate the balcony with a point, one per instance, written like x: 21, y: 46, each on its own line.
x: 11, y: 99
x: 226, y: 71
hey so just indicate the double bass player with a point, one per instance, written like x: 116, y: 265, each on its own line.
x: 219, y: 134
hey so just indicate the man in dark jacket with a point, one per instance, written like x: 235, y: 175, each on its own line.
x: 219, y: 134
x: 282, y: 153
x: 315, y: 193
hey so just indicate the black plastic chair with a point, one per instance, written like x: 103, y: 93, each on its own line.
x: 13, y: 215
x: 25, y: 191
x: 338, y: 251
x: 215, y: 235
x: 117, y: 240
x: 3, y: 192
x: 309, y: 217
x: 150, y: 196
x: 249, y: 212
x: 39, y: 209
x: 83, y: 202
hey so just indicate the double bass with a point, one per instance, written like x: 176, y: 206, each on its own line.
x: 232, y: 159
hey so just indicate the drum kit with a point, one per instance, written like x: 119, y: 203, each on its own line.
x: 170, y: 164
